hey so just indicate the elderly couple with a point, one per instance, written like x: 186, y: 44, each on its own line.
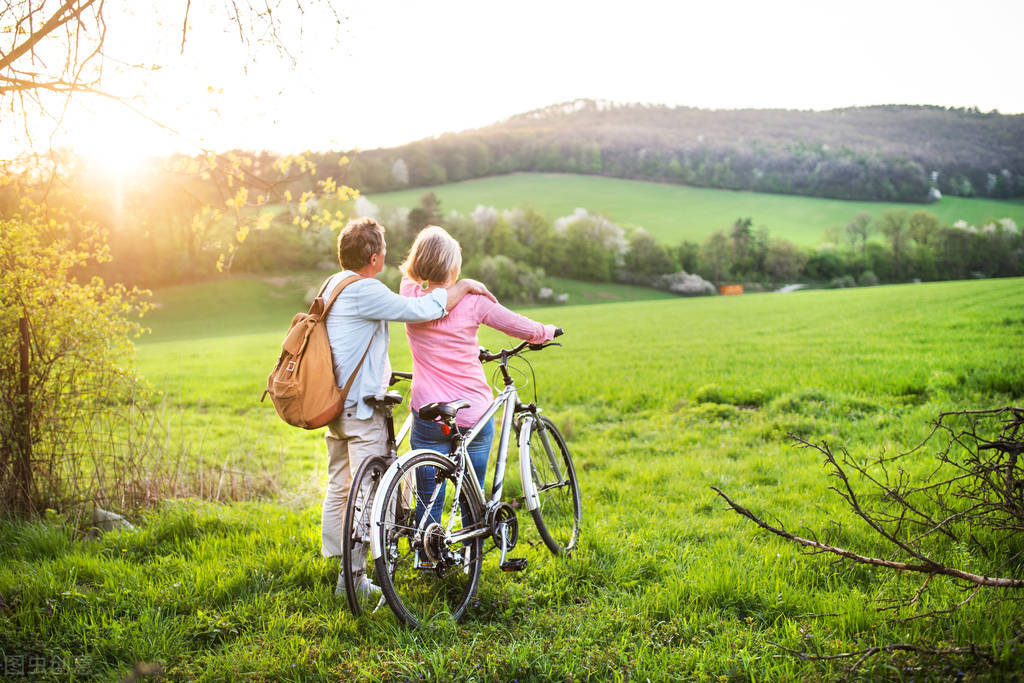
x: 442, y: 315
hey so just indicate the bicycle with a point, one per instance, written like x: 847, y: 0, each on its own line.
x: 428, y: 554
x: 361, y: 589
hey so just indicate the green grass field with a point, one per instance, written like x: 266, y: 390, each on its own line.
x: 248, y: 304
x: 660, y: 400
x: 673, y: 213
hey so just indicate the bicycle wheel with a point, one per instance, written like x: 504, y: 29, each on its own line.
x: 426, y: 574
x: 558, y: 491
x: 362, y: 589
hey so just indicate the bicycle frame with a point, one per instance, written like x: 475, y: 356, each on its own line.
x: 403, y: 433
x: 509, y: 399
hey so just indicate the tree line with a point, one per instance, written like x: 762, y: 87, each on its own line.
x: 513, y: 249
x: 164, y: 229
x: 884, y: 153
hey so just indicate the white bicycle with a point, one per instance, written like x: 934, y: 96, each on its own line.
x: 427, y: 541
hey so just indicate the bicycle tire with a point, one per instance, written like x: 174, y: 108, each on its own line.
x: 417, y: 593
x: 558, y: 512
x: 356, y: 536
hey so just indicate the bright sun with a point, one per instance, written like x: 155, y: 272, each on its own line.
x: 118, y: 142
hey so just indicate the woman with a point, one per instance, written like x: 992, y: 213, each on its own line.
x: 445, y: 352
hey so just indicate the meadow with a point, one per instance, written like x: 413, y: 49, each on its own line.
x: 660, y: 399
x: 673, y: 213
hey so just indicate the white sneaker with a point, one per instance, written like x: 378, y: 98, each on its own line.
x: 339, y: 588
x: 366, y: 588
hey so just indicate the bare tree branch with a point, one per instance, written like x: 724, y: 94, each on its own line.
x: 933, y: 613
x: 184, y: 25
x: 974, y: 496
x: 62, y: 16
x: 59, y: 48
x: 929, y: 567
x: 894, y: 647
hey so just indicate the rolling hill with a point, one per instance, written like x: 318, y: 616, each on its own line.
x: 675, y: 212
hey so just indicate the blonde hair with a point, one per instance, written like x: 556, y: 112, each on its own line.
x: 435, y: 256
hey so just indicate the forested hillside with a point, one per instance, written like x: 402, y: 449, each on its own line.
x: 885, y: 153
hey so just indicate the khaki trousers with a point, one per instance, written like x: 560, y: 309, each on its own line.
x: 349, y: 442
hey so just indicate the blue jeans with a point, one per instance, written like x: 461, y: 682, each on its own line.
x: 426, y: 434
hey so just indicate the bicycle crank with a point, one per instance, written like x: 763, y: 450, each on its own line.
x: 505, y: 531
x: 501, y: 520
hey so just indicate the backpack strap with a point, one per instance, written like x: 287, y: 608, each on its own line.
x: 327, y: 306
x: 337, y: 290
x: 320, y: 293
x: 352, y: 377
x: 323, y: 287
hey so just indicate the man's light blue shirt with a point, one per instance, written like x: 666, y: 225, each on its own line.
x: 359, y: 317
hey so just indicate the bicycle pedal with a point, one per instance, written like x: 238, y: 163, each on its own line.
x: 513, y: 564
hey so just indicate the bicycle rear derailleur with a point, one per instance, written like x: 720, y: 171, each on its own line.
x: 437, y: 548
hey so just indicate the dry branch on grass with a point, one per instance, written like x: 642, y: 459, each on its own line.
x: 866, y: 653
x: 973, y: 498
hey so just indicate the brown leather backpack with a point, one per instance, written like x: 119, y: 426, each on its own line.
x: 302, y: 384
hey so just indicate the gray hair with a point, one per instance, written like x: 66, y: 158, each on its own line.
x: 435, y: 256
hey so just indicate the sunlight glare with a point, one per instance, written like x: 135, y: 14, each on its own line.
x: 116, y: 142
x: 121, y: 157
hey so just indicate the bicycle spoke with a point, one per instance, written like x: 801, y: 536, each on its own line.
x: 554, y: 479
x: 358, y: 572
x: 423, y: 568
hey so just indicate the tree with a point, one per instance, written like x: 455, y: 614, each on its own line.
x: 57, y: 47
x: 716, y: 257
x: 893, y: 224
x: 66, y: 335
x: 594, y: 246
x: 923, y: 227
x: 741, y: 234
x: 62, y: 342
x: 783, y: 261
x: 504, y: 241
x: 509, y: 280
x: 469, y: 233
x: 400, y: 173
x: 858, y: 230
x: 427, y: 213
x: 534, y: 232
x: 57, y: 53
x: 646, y: 257
x: 687, y: 253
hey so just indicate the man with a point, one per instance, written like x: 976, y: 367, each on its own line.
x: 357, y: 320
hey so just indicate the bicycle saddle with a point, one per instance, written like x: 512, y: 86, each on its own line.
x: 391, y: 398
x: 432, y: 411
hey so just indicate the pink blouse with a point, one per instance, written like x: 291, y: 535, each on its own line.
x: 445, y: 352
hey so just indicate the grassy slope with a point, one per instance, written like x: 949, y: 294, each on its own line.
x: 249, y: 304
x: 675, y: 212
x: 583, y: 293
x: 666, y: 583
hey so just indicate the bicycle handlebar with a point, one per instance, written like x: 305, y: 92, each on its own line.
x: 487, y: 356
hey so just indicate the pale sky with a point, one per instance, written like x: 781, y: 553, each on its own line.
x: 399, y: 70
